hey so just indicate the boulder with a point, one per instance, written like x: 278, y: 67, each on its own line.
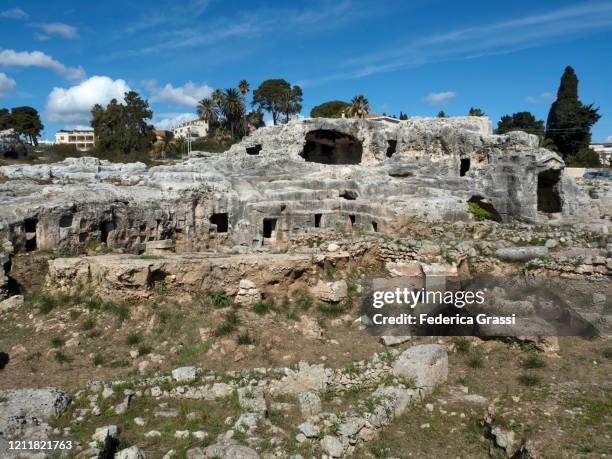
x: 332, y: 446
x: 12, y: 303
x: 330, y: 292
x: 248, y: 293
x: 184, y: 374
x: 521, y: 253
x: 133, y: 452
x: 425, y: 364
x: 309, y: 403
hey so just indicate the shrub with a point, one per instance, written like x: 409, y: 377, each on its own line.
x: 607, y: 353
x: 245, y: 339
x: 62, y: 358
x: 264, y: 307
x: 476, y: 360
x: 133, y: 339
x: 88, y: 324
x: 529, y: 380
x: 97, y: 360
x: 219, y: 299
x: 462, y: 344
x: 57, y: 341
x: 143, y: 349
x: 302, y: 299
x: 533, y: 361
x: 479, y: 213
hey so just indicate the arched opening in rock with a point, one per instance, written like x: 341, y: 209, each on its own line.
x: 375, y: 226
x: 549, y: 187
x: 269, y: 227
x: 318, y: 220
x: 221, y: 221
x: 483, y: 209
x: 331, y: 147
x: 105, y: 229
x: 254, y: 150
x: 352, y: 220
x: 391, y: 147
x: 464, y: 167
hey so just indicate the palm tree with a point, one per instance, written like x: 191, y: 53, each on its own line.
x: 217, y: 96
x: 360, y: 107
x: 233, y: 109
x: 243, y: 86
x: 207, y: 111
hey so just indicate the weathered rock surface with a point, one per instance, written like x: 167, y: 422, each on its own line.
x: 425, y: 364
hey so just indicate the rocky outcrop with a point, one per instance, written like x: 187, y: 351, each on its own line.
x: 308, y: 176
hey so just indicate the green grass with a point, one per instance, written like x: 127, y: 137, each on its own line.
x: 302, y: 299
x: 479, y: 213
x: 133, y: 339
x: 62, y: 358
x: 57, y: 341
x: 89, y: 324
x: 462, y: 344
x: 98, y: 360
x: 533, y: 361
x: 475, y: 360
x: 264, y: 307
x: 607, y: 353
x: 529, y: 380
x: 245, y: 339
x: 143, y: 349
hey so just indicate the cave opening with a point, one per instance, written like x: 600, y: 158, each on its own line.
x: 352, y: 220
x: 549, y: 197
x: 332, y: 147
x: 65, y: 221
x: 221, y: 221
x: 269, y: 227
x: 349, y: 195
x: 318, y: 220
x: 489, y: 212
x: 375, y: 226
x: 255, y: 150
x: 105, y: 229
x: 29, y: 225
x: 391, y: 147
x: 464, y: 167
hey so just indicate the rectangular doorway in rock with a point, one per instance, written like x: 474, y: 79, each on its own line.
x: 255, y: 150
x: 374, y: 226
x: 221, y: 221
x: 549, y: 198
x: 29, y: 227
x: 318, y: 220
x: 269, y: 227
x: 464, y: 167
x: 352, y: 220
x: 391, y: 147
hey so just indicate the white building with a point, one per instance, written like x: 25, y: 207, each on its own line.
x: 604, y: 150
x: 84, y: 140
x: 197, y: 128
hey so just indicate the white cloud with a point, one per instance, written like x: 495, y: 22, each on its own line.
x: 10, y: 57
x: 187, y: 95
x: 6, y: 84
x: 439, y: 98
x: 58, y: 28
x: 73, y: 105
x: 168, y: 121
x: 544, y: 97
x: 609, y: 138
x: 14, y: 13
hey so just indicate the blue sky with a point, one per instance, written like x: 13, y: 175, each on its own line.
x: 417, y: 56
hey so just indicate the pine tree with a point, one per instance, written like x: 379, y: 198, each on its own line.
x: 569, y: 120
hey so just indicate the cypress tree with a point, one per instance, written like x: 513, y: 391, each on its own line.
x: 569, y: 120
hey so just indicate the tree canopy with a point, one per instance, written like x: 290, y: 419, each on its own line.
x: 360, y: 107
x: 330, y: 109
x: 521, y: 121
x: 569, y: 120
x: 123, y: 128
x: 279, y: 98
x: 24, y: 120
x: 441, y: 114
x: 476, y: 112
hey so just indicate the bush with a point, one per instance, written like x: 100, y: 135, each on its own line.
x: 133, y: 339
x: 264, y: 307
x: 302, y: 299
x: 62, y: 358
x: 476, y: 360
x: 529, y: 380
x: 587, y: 157
x: 245, y: 339
x: 57, y: 341
x: 533, y: 361
x: 479, y: 213
x: 462, y: 344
